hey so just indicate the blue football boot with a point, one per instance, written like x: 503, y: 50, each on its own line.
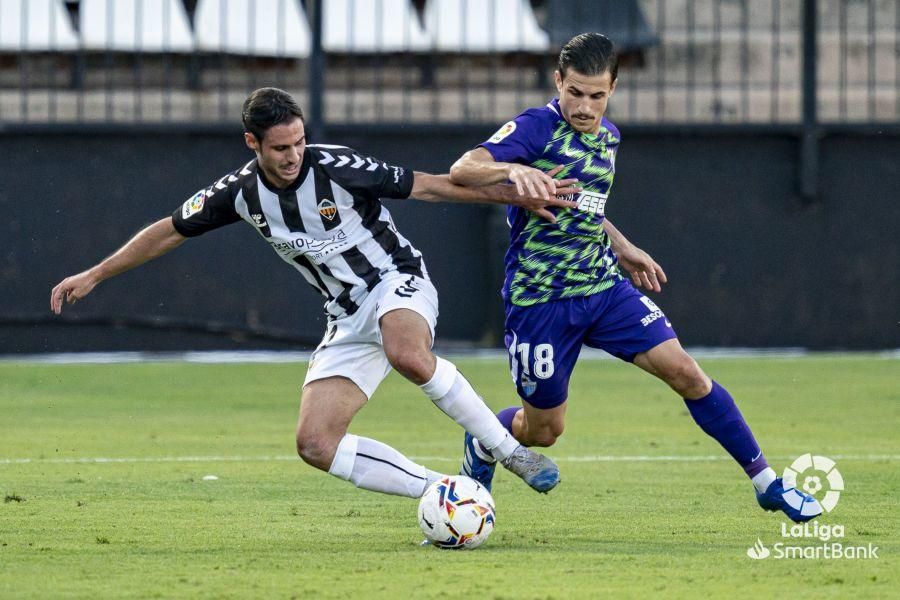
x: 535, y: 469
x: 477, y: 463
x: 799, y: 507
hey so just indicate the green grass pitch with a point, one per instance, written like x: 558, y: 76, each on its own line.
x: 618, y: 525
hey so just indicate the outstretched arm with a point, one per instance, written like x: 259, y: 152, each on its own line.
x: 436, y: 188
x: 151, y: 242
x: 644, y: 271
x: 477, y: 167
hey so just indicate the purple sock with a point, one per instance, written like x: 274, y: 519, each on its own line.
x: 717, y: 415
x: 507, y: 415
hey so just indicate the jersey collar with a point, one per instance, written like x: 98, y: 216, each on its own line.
x: 554, y: 106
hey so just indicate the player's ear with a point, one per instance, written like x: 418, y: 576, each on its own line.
x: 557, y: 77
x: 612, y: 88
x: 251, y: 141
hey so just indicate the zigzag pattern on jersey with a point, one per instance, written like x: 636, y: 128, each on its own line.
x: 223, y: 182
x: 594, y: 166
x: 552, y: 266
x: 353, y: 161
x: 573, y: 257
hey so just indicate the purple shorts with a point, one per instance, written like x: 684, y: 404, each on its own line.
x: 544, y: 340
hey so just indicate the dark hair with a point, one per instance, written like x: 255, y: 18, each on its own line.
x: 589, y: 54
x: 266, y: 108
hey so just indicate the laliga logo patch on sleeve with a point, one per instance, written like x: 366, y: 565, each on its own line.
x: 503, y: 132
x: 194, y: 205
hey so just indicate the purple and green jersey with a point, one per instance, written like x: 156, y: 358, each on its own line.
x: 555, y: 273
x: 571, y: 258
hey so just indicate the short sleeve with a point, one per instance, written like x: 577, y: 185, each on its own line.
x: 521, y: 140
x: 206, y: 210
x: 364, y: 175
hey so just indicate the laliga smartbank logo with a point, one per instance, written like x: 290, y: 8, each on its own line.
x: 758, y: 551
x: 819, y: 477
x: 822, y: 469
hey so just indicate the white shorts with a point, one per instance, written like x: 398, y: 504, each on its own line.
x: 352, y: 346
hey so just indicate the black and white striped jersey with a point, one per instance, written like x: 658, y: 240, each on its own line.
x: 329, y: 224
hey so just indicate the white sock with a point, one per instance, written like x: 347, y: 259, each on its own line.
x: 374, y: 466
x: 482, y: 454
x: 432, y: 476
x: 763, y: 479
x: 450, y: 392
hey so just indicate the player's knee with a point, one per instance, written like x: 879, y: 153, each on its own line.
x: 687, y: 378
x: 415, y: 364
x: 315, y: 450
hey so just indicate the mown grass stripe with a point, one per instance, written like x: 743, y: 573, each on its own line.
x: 290, y: 457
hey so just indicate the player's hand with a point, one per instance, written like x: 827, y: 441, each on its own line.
x: 537, y: 190
x: 645, y: 272
x: 537, y: 204
x: 564, y: 187
x: 532, y: 182
x: 71, y: 289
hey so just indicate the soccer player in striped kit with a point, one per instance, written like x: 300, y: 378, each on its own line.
x: 564, y: 284
x: 318, y: 207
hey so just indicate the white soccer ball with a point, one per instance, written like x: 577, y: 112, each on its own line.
x: 457, y: 512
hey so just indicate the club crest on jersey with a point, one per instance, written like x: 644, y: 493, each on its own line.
x: 194, y: 205
x: 503, y: 132
x: 528, y: 384
x: 327, y: 208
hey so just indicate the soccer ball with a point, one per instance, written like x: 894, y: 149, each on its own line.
x: 456, y: 512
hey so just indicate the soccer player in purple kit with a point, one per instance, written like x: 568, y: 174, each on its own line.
x: 564, y: 284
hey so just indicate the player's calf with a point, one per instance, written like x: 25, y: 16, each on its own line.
x: 544, y: 436
x: 534, y: 426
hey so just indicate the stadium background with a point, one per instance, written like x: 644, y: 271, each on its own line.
x: 759, y: 162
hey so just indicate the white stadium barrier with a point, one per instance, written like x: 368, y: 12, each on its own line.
x: 372, y: 26
x: 135, y: 26
x: 478, y: 26
x: 262, y: 28
x: 35, y: 26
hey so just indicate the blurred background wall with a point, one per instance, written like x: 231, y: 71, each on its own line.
x: 760, y: 160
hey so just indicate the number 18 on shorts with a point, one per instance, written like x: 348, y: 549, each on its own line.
x: 544, y: 340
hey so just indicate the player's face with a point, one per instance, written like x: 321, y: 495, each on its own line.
x: 583, y: 98
x: 280, y: 154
